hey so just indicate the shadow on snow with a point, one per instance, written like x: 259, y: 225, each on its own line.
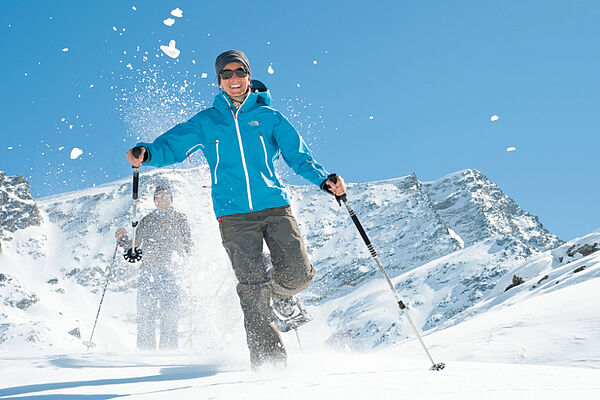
x: 166, y: 374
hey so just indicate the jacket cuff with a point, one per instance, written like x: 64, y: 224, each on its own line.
x: 323, y: 184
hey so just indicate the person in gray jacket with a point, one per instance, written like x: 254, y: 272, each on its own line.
x: 159, y: 234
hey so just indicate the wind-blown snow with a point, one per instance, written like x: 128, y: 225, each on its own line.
x: 494, y: 118
x: 177, y: 13
x: 75, y: 153
x: 170, y: 50
x: 169, y: 21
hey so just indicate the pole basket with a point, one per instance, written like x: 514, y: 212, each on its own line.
x: 133, y: 255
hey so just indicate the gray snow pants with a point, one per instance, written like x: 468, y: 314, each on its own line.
x: 292, y: 272
x: 159, y: 297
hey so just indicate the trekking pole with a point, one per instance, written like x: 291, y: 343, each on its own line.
x: 134, y: 255
x: 403, y: 308
x: 89, y: 343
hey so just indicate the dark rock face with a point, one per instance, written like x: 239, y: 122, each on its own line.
x: 27, y: 302
x: 516, y: 281
x: 18, y: 209
x: 585, y: 249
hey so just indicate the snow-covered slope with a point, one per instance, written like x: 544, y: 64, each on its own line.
x: 470, y: 284
x: 448, y: 272
x: 551, y: 318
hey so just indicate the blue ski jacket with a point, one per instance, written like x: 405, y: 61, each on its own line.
x: 240, y: 147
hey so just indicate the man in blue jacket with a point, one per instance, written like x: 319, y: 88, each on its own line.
x: 241, y: 136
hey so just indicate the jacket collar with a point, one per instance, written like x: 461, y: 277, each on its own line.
x: 258, y: 96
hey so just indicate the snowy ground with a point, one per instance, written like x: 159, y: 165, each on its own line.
x: 380, y: 375
x: 544, y: 347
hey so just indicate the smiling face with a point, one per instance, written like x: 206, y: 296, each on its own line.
x: 235, y: 86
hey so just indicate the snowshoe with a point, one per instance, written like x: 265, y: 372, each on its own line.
x: 289, y: 313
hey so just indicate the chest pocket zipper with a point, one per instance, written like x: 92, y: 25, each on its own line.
x: 262, y: 140
x: 217, y: 163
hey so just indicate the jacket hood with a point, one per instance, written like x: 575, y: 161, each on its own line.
x: 259, y: 96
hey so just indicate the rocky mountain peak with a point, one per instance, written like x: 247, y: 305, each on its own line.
x: 18, y: 209
x: 477, y: 209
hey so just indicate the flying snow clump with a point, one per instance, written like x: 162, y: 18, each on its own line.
x: 65, y: 49
x: 511, y: 148
x: 270, y: 70
x: 177, y: 12
x: 169, y: 21
x: 494, y: 118
x: 170, y: 50
x: 75, y: 153
x: 204, y: 75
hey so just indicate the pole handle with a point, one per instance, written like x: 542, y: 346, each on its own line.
x: 339, y: 199
x: 136, y: 151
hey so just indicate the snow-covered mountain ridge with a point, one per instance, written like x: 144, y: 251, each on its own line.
x: 451, y: 246
x: 17, y: 207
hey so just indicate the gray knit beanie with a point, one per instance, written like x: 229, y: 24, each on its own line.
x: 163, y: 186
x: 231, y: 56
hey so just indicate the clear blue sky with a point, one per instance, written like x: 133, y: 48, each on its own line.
x: 397, y: 87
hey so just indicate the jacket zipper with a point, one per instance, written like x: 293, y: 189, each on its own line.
x: 239, y: 135
x: 266, y: 159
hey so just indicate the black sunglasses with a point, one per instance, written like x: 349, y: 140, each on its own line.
x: 228, y: 74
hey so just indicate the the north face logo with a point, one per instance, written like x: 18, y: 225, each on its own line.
x: 253, y: 123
